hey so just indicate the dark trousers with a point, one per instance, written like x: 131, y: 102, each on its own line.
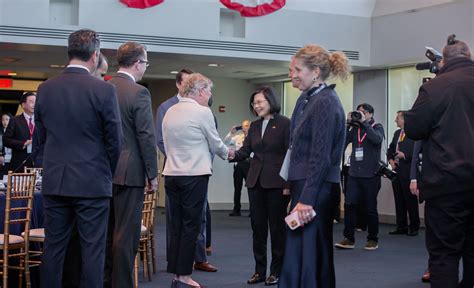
x: 405, y: 202
x: 361, y: 210
x: 123, y: 235
x: 91, y: 216
x: 240, y: 173
x: 450, y: 237
x: 72, y: 267
x: 309, y: 259
x: 186, y: 199
x: 208, y: 226
x: 268, y: 208
x: 362, y: 190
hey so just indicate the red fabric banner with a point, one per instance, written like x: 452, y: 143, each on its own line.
x: 141, y: 4
x: 246, y: 10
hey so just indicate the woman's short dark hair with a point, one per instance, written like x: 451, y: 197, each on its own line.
x: 82, y: 44
x: 366, y: 107
x: 7, y: 114
x: 269, y: 95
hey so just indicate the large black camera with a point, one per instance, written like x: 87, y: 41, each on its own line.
x: 435, y: 57
x: 384, y: 171
x: 355, y: 119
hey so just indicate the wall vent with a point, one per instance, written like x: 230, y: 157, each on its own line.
x: 163, y: 41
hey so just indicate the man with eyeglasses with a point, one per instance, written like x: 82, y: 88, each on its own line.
x: 137, y: 166
x: 363, y: 184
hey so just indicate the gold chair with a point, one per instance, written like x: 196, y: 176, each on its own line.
x: 146, y: 240
x: 37, y: 234
x: 20, y: 189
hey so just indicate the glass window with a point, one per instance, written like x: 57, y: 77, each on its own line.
x: 403, y: 86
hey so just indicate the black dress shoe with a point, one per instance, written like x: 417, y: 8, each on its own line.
x: 256, y: 278
x: 235, y: 213
x: 271, y: 280
x: 398, y: 232
x: 413, y: 232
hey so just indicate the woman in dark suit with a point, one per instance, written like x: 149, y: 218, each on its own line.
x: 267, y: 139
x: 317, y: 139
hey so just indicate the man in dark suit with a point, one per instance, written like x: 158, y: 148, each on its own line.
x: 137, y: 166
x: 399, y: 155
x: 78, y: 122
x: 19, y: 134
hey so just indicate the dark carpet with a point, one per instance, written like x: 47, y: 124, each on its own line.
x: 399, y: 261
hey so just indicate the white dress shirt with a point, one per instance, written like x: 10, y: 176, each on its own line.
x: 189, y: 136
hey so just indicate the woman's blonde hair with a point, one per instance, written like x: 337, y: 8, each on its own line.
x: 333, y: 64
x: 194, y: 83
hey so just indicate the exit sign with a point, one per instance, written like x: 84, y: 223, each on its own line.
x: 5, y: 83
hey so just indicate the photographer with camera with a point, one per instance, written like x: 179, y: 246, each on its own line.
x: 363, y: 183
x: 399, y: 156
x: 443, y: 118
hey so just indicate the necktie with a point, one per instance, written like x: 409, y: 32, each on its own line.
x: 31, y: 126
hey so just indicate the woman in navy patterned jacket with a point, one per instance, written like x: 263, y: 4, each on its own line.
x: 317, y: 139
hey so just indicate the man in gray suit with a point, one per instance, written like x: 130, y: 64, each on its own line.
x: 137, y: 165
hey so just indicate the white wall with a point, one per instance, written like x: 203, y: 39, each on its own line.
x: 192, y: 20
x: 401, y: 38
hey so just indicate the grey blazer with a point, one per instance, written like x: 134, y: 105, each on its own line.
x: 138, y: 157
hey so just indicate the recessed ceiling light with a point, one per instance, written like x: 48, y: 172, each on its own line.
x: 12, y: 74
x: 57, y: 66
x: 213, y: 65
x: 174, y: 72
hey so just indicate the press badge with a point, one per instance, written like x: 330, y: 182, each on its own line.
x: 359, y: 154
x: 29, y: 148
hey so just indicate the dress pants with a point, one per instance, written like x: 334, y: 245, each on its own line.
x: 268, y: 209
x: 123, y: 235
x: 405, y: 202
x: 309, y: 259
x: 186, y: 199
x: 91, y: 215
x: 200, y: 252
x: 240, y: 173
x: 72, y: 263
x: 208, y: 226
x: 362, y: 190
x: 361, y: 210
x: 449, y: 237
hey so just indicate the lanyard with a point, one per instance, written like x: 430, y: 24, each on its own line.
x: 306, y: 100
x: 361, y: 140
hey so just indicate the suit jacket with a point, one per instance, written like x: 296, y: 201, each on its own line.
x: 317, y: 142
x: 138, y: 157
x: 160, y: 114
x: 78, y: 122
x: 268, y: 152
x: 189, y: 141
x: 406, y: 146
x: 15, y: 136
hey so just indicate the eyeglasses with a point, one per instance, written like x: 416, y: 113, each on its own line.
x: 147, y: 63
x: 258, y: 103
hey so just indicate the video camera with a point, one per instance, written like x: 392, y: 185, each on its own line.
x: 435, y: 57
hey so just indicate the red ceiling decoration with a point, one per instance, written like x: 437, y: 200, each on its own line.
x: 254, y: 8
x: 142, y: 4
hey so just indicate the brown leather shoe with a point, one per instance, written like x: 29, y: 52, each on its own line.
x: 271, y: 280
x: 205, y: 266
x: 256, y: 278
